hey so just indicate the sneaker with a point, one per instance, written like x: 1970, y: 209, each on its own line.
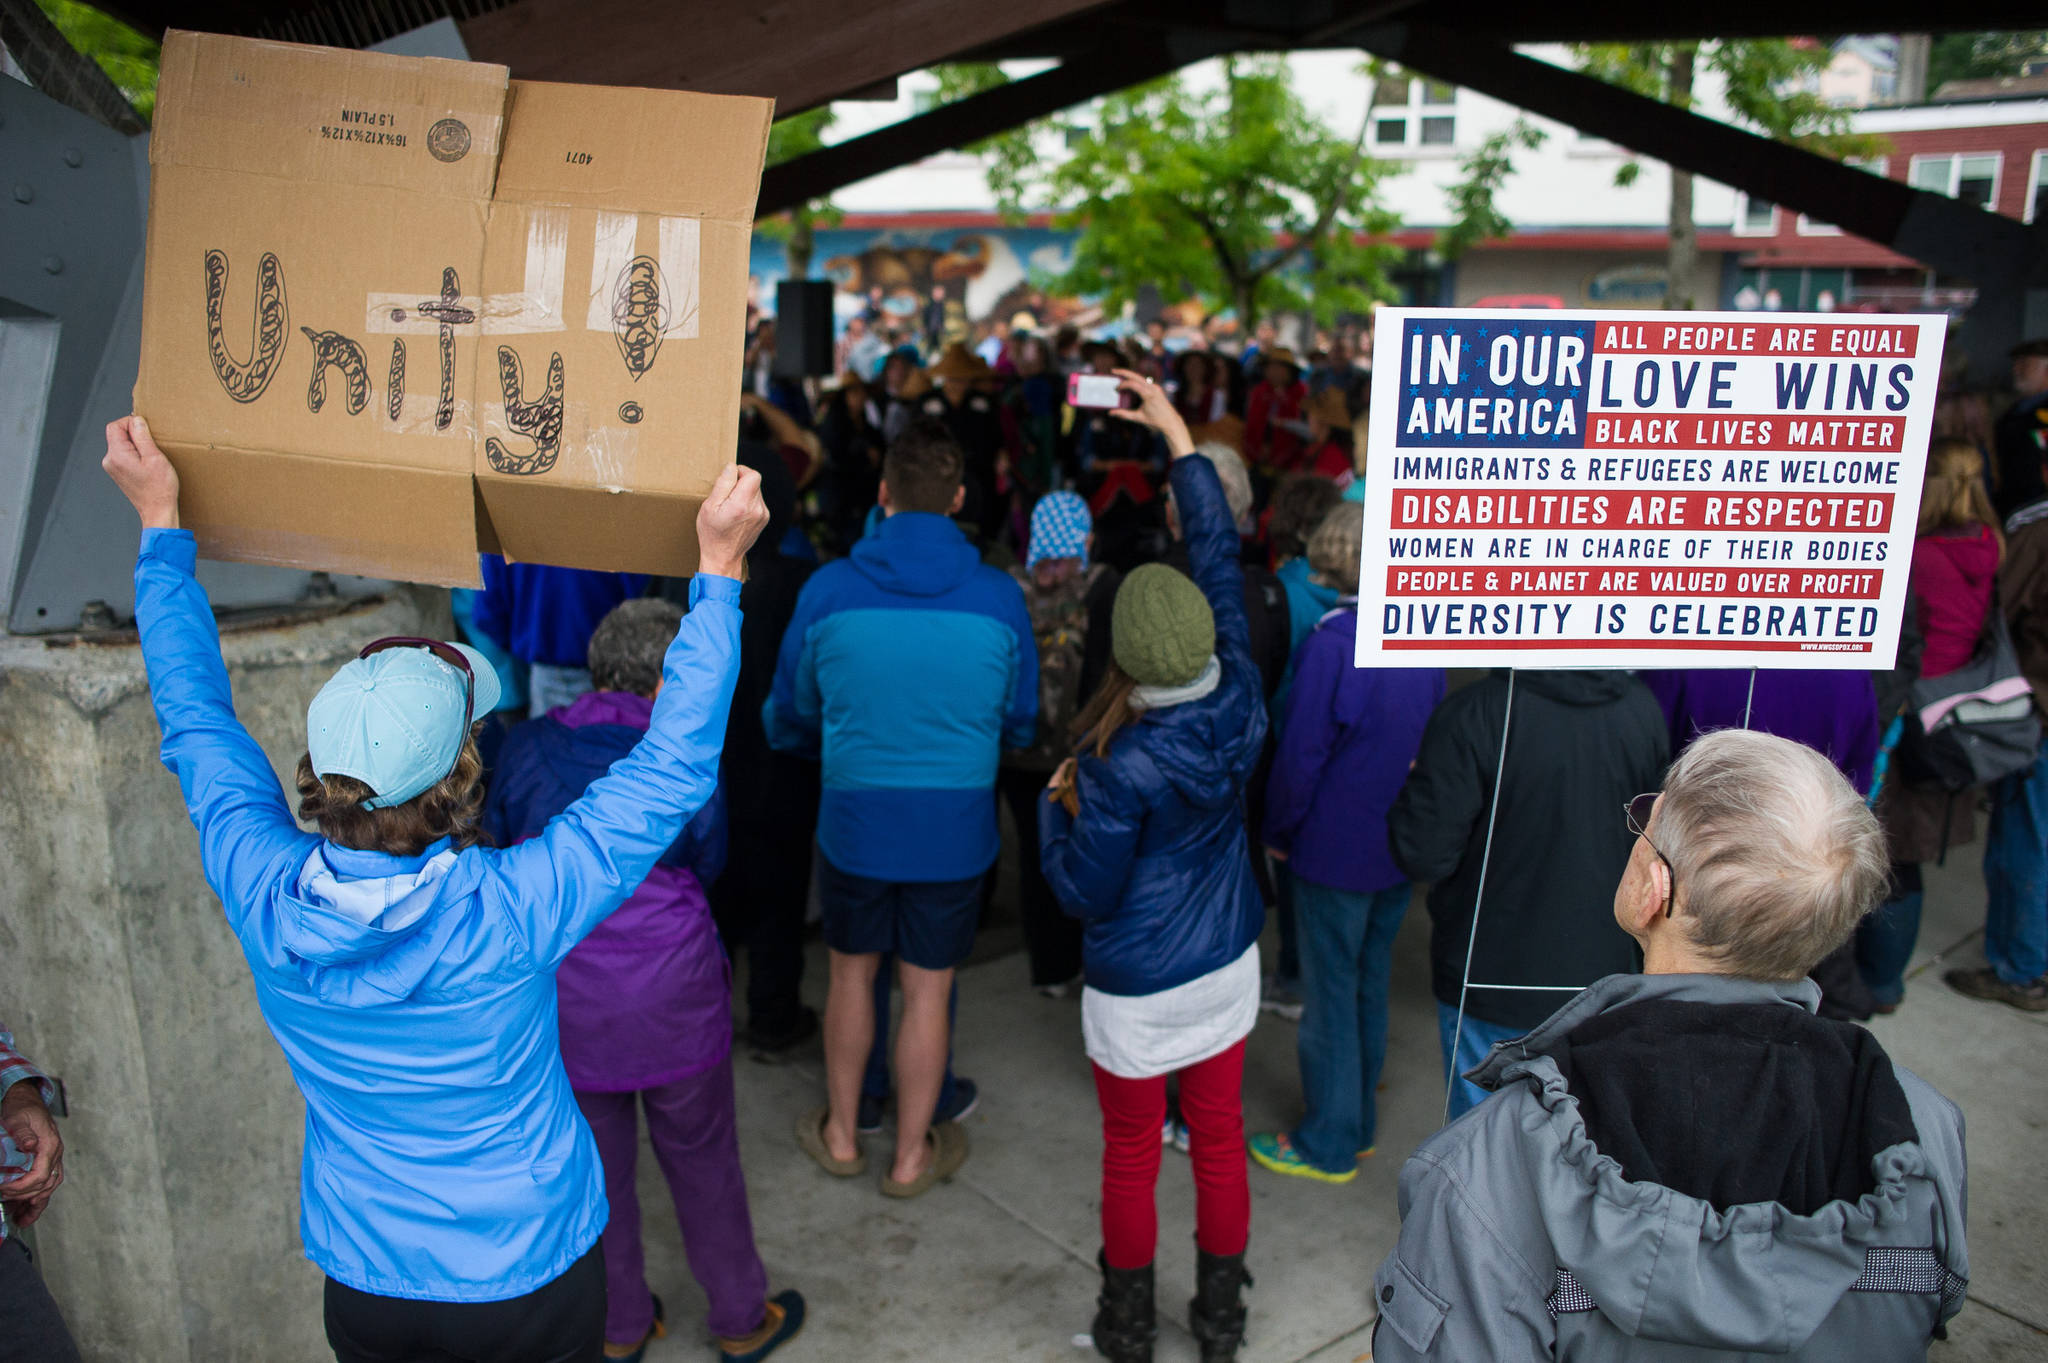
x: 1984, y: 983
x: 1065, y: 989
x: 1273, y: 1150
x: 1180, y: 1135
x: 785, y: 1318
x: 633, y: 1353
x: 868, y: 1120
x: 1280, y: 997
x: 966, y: 1098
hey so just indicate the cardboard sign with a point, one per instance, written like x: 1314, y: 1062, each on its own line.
x: 1585, y: 489
x: 399, y: 310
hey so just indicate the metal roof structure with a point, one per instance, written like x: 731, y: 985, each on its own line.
x: 803, y: 53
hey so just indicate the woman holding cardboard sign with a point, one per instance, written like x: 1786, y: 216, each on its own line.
x: 450, y: 1190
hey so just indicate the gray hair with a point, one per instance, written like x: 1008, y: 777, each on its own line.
x: 1334, y: 547
x: 1776, y: 854
x: 1237, y: 483
x: 628, y: 645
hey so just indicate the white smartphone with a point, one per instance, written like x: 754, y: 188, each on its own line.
x: 1094, y: 390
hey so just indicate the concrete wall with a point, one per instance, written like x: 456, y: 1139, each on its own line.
x: 175, y: 1237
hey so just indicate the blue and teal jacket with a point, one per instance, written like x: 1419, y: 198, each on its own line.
x: 414, y: 997
x: 907, y: 669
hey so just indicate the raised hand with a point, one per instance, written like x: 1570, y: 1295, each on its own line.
x: 730, y: 521
x: 1154, y: 409
x: 142, y: 473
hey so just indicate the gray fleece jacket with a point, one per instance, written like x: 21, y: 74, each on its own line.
x: 1524, y: 1236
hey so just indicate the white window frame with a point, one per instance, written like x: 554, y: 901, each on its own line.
x: 1876, y: 165
x: 1955, y: 161
x: 1742, y: 227
x: 2037, y: 175
x: 1412, y: 112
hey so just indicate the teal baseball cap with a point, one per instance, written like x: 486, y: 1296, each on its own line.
x: 396, y: 715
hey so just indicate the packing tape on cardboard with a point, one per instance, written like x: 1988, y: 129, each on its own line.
x: 636, y: 297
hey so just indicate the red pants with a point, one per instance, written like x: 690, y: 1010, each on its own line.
x: 1133, y: 1110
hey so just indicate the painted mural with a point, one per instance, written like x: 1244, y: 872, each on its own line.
x: 967, y: 275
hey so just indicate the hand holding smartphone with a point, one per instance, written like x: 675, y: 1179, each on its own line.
x: 1094, y: 390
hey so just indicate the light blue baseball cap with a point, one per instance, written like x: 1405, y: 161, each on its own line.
x: 394, y: 718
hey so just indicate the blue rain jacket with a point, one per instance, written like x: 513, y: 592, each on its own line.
x: 1156, y: 865
x: 414, y: 997
x: 908, y: 667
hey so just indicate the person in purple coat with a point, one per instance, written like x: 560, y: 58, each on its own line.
x: 1834, y: 713
x: 1347, y: 741
x: 646, y: 1008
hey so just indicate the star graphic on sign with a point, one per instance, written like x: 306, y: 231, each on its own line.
x: 1514, y: 331
x: 1482, y: 331
x: 1478, y: 390
x: 1414, y: 392
x: 1508, y: 391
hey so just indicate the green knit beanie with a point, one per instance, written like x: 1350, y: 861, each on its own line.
x: 1161, y: 630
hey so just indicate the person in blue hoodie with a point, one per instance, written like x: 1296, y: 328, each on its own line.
x: 543, y: 616
x: 449, y: 1189
x: 908, y: 667
x: 1143, y: 839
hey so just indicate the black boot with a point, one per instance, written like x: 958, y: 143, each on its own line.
x: 1216, y: 1315
x: 1124, y: 1323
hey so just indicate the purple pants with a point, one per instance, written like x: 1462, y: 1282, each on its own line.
x: 691, y: 1123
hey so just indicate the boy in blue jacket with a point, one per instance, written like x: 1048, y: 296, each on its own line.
x: 450, y: 1190
x: 908, y: 666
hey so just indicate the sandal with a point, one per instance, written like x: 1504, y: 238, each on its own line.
x: 948, y: 1141
x: 810, y: 1135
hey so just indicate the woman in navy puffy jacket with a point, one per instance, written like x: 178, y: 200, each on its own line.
x: 1144, y: 841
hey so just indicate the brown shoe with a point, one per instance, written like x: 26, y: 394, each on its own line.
x: 948, y: 1142
x: 810, y: 1136
x: 1984, y: 983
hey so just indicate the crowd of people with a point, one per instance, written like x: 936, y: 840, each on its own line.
x: 931, y: 591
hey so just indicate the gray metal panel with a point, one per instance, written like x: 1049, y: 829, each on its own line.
x: 28, y: 359
x: 72, y: 251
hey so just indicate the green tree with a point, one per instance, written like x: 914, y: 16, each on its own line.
x: 1474, y: 217
x: 1769, y: 87
x: 1233, y: 192
x: 129, y: 59
x: 1976, y: 56
x: 788, y: 138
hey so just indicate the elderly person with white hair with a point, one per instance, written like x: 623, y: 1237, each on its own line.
x: 1689, y: 1163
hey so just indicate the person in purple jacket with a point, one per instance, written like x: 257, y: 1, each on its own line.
x: 1834, y: 713
x: 646, y: 1008
x: 1347, y: 741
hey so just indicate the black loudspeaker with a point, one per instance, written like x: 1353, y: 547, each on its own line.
x: 803, y: 328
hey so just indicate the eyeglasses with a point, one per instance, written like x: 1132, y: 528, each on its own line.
x: 1638, y: 812
x: 447, y: 653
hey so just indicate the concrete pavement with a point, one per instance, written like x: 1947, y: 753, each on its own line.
x: 1001, y: 1264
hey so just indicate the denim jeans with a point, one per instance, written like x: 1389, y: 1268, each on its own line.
x: 1347, y: 944
x: 1474, y: 1042
x: 876, y: 1082
x: 1885, y: 940
x: 2016, y: 876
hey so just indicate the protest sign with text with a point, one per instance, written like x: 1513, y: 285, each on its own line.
x: 1632, y: 489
